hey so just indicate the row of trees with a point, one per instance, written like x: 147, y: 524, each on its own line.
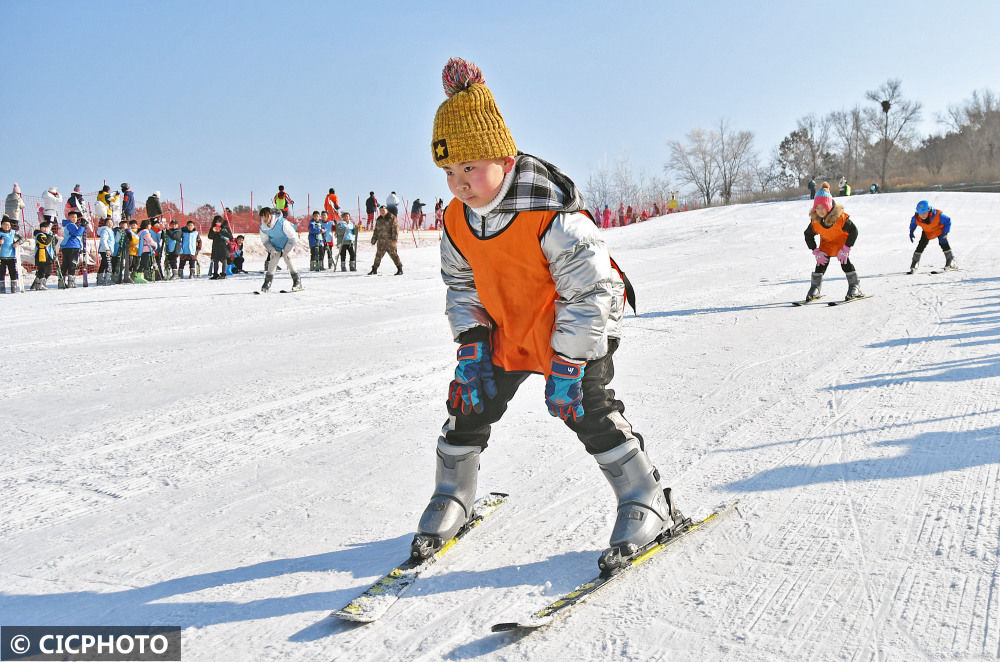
x: 872, y: 142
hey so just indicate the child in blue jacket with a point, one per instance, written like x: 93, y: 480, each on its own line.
x: 74, y: 234
x: 316, y: 243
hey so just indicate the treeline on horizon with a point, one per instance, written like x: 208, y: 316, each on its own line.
x: 874, y: 142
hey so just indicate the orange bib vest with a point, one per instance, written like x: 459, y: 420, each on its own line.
x: 514, y: 284
x: 932, y: 226
x: 833, y: 238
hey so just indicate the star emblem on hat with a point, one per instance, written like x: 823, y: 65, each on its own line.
x: 440, y: 149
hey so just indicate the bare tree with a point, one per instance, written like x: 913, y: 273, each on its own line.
x: 816, y: 131
x: 975, y: 125
x: 734, y: 158
x: 851, y: 136
x: 892, y: 121
x: 624, y: 186
x: 599, y: 190
x: 695, y: 164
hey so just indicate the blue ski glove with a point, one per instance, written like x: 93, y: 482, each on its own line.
x: 563, y: 389
x: 911, y: 236
x: 473, y: 379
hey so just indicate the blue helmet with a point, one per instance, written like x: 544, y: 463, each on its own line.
x: 923, y: 207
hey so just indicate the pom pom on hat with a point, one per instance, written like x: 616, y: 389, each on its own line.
x: 468, y: 125
x: 458, y: 75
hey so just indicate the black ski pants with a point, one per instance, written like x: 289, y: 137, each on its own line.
x: 923, y: 241
x: 69, y: 260
x: 8, y: 265
x: 602, y: 427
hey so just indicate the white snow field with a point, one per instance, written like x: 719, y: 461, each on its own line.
x: 189, y: 454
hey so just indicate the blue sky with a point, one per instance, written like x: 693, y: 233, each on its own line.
x: 232, y: 97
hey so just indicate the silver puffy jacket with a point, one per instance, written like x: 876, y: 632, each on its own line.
x: 591, y: 293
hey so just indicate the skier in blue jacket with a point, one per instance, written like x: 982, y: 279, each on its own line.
x: 316, y: 243
x: 128, y: 202
x: 9, y: 242
x: 347, y: 237
x: 74, y: 234
x: 278, y: 235
x: 190, y: 245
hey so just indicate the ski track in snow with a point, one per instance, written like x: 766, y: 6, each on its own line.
x: 189, y: 454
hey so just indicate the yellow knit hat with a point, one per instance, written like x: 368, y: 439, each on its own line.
x: 468, y: 126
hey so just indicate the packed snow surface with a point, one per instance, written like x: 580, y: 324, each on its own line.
x: 189, y: 454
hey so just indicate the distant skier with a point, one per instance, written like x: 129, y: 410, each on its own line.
x: 317, y: 246
x: 128, y: 202
x: 812, y: 189
x: 220, y: 234
x: 837, y: 234
x: 332, y: 205
x: 45, y: 254
x: 347, y: 237
x: 190, y: 245
x: 74, y: 234
x: 283, y: 202
x: 10, y: 244
x: 933, y: 225
x: 531, y: 288
x: 13, y: 207
x: 278, y: 236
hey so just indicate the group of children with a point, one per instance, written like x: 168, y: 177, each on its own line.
x: 330, y: 240
x: 837, y: 233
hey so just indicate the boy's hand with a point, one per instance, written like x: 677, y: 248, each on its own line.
x: 564, y: 390
x: 473, y: 379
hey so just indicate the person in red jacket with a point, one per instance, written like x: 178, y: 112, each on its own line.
x: 837, y: 234
x: 332, y: 205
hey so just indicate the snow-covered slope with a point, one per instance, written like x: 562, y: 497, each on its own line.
x: 189, y: 454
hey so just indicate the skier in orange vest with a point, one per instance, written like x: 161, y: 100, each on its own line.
x: 837, y: 234
x: 933, y: 225
x: 531, y: 289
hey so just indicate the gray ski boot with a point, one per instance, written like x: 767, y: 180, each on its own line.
x: 815, y: 285
x: 914, y: 262
x: 296, y: 282
x: 645, y: 509
x: 450, y: 507
x: 70, y: 281
x: 266, y: 287
x: 949, y: 260
x: 853, y: 287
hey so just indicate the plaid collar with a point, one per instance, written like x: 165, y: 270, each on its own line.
x: 540, y: 186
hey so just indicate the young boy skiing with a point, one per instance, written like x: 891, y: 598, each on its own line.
x: 837, y: 234
x: 10, y: 242
x: 278, y: 236
x: 933, y: 225
x: 531, y: 289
